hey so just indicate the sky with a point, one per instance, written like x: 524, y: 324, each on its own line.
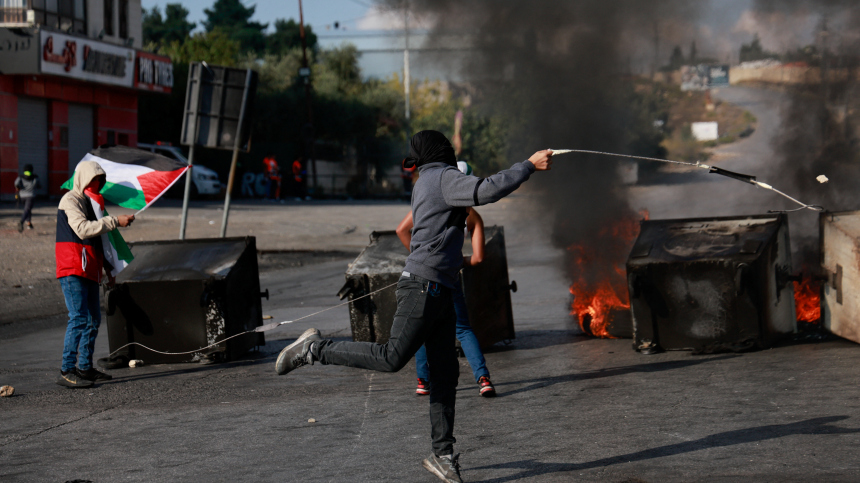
x: 723, y: 26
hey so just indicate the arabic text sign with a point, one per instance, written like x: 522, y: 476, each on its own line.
x: 85, y: 59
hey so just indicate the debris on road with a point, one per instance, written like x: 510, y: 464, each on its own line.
x: 135, y: 363
x: 7, y: 391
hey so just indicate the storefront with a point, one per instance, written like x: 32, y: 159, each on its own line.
x: 62, y: 95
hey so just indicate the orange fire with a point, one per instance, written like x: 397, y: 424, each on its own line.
x: 600, y: 285
x: 807, y: 299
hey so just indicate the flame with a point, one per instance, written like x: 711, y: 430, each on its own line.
x: 600, y: 285
x: 807, y: 299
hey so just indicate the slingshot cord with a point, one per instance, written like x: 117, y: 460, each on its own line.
x: 712, y: 169
x: 262, y: 328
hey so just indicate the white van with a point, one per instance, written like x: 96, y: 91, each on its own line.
x: 204, y: 181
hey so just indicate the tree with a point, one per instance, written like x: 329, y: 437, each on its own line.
x: 754, y: 51
x: 173, y: 27
x: 693, y: 53
x: 338, y: 71
x: 287, y: 36
x: 234, y: 19
x: 152, y: 25
x: 214, y: 47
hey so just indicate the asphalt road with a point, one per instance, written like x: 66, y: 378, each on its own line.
x: 570, y: 408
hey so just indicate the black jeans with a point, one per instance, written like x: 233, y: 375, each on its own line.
x: 28, y: 209
x: 425, y: 315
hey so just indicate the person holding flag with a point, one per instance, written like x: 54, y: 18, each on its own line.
x: 87, y: 243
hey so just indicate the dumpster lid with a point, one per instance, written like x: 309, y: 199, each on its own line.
x: 173, y: 260
x: 703, y: 238
x: 385, y: 254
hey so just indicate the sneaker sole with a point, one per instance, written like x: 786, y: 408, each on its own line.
x: 280, y: 361
x: 422, y: 392
x: 488, y: 392
x: 62, y: 381
x: 432, y: 469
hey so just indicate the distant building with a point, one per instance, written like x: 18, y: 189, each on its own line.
x: 70, y: 75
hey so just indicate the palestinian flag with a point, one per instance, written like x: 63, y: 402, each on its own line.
x: 135, y: 178
x: 116, y: 251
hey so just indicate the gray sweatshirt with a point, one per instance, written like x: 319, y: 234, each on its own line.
x: 27, y: 186
x: 438, y: 199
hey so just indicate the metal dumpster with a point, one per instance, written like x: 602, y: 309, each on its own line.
x: 840, y: 259
x: 711, y: 284
x: 381, y: 263
x: 178, y: 296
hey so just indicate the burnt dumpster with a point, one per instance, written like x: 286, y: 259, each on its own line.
x: 711, y: 284
x: 486, y: 286
x: 182, y: 295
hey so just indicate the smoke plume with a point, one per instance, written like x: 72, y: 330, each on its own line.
x: 819, y: 132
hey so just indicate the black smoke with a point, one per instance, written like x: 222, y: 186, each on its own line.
x: 559, y: 74
x: 819, y: 132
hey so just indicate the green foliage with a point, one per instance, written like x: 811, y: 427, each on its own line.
x: 277, y: 73
x: 174, y: 27
x: 644, y: 107
x: 337, y: 71
x: 354, y: 119
x: 215, y: 47
x: 287, y: 37
x: 234, y: 19
x: 482, y: 136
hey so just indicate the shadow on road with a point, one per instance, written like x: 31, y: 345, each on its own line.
x: 818, y: 426
x: 539, y: 339
x: 542, y: 382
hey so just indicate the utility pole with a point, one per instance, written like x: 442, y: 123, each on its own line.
x: 305, y: 72
x: 656, y: 64
x: 406, y: 78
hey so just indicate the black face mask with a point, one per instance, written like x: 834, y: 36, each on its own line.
x: 430, y: 147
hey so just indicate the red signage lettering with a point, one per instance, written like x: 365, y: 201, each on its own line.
x: 68, y: 58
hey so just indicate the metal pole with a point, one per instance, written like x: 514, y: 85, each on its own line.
x: 236, y: 145
x: 308, y: 96
x: 187, y: 190
x: 406, y: 78
x: 194, y: 129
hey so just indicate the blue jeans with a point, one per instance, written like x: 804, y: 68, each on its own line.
x: 467, y: 339
x: 82, y: 300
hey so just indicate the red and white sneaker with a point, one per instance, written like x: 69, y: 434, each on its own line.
x: 423, y: 387
x: 487, y: 389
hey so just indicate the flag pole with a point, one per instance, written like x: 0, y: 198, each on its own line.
x: 236, y: 145
x: 187, y: 190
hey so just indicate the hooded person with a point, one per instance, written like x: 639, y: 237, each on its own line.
x: 425, y: 310
x: 468, y: 340
x: 25, y: 189
x: 80, y: 262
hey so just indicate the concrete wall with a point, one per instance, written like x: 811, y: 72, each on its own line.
x: 786, y: 74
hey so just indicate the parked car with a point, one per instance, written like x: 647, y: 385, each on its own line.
x: 204, y: 181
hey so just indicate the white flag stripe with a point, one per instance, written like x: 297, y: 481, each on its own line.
x: 124, y: 174
x: 184, y: 170
x: 111, y: 256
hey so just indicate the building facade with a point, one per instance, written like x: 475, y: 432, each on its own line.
x: 70, y: 75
